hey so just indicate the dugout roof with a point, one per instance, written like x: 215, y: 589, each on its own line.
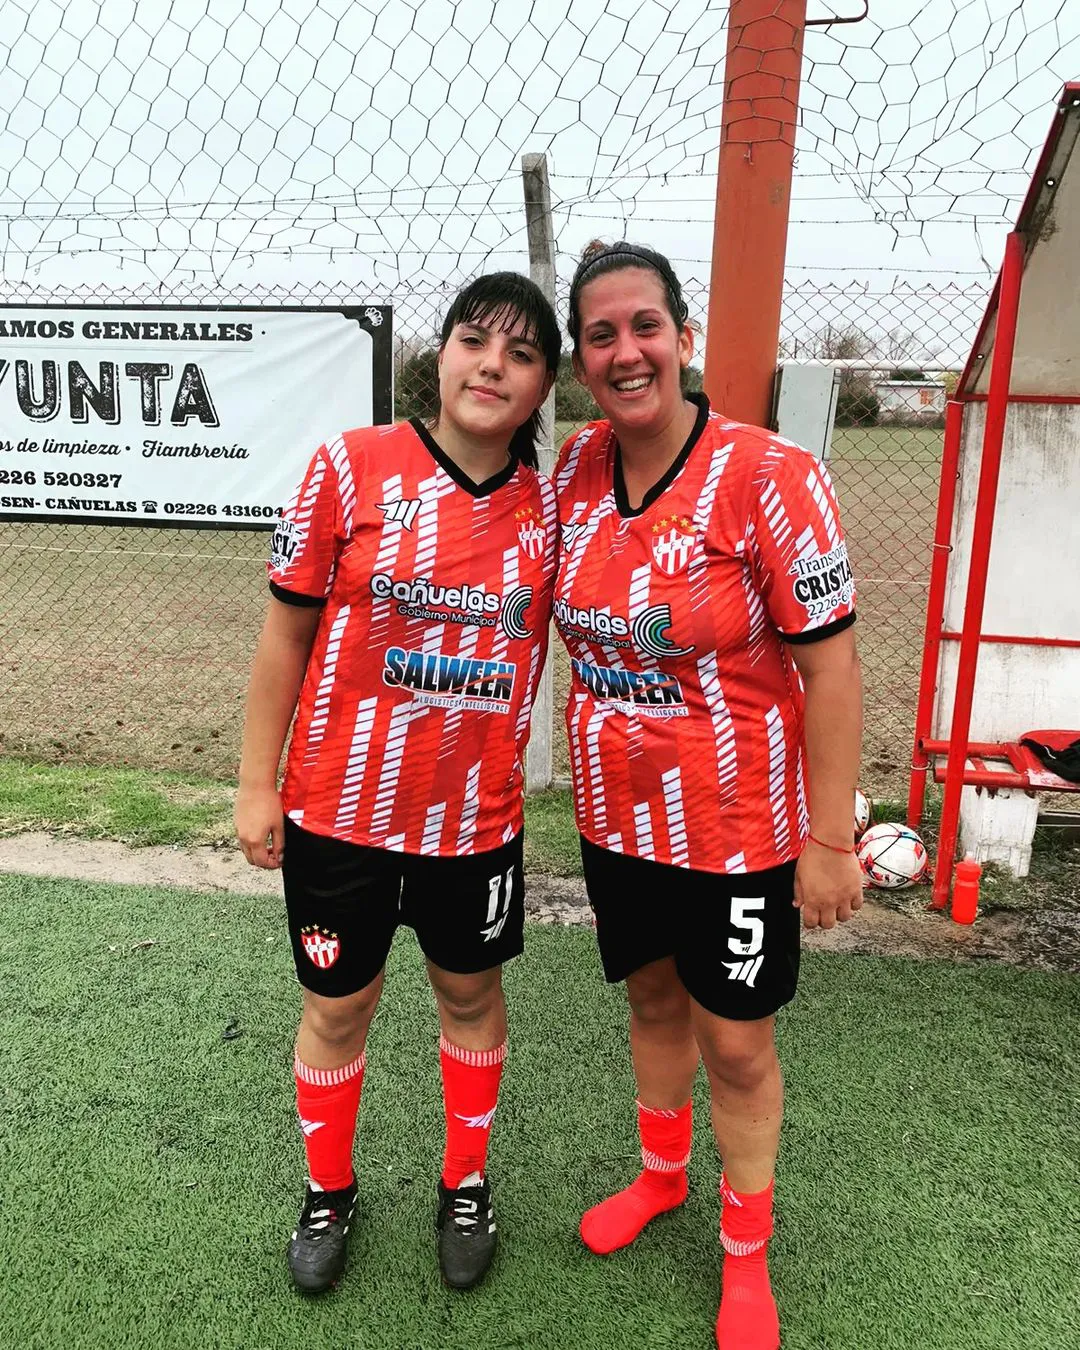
x: 1047, y: 355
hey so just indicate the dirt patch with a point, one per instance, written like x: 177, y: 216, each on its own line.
x: 1046, y: 939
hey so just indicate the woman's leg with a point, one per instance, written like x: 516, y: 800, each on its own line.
x: 665, y: 1058
x: 662, y: 1044
x: 329, y: 1068
x: 747, y: 1108
x: 472, y: 1018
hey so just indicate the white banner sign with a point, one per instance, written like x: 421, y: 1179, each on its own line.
x: 179, y: 416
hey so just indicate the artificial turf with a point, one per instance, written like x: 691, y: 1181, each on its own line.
x: 150, y: 1169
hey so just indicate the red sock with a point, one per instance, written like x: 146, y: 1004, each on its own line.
x: 665, y: 1151
x: 470, y: 1094
x: 748, y: 1319
x: 327, y: 1101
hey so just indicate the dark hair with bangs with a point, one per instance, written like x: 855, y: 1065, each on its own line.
x: 499, y: 300
x: 598, y: 258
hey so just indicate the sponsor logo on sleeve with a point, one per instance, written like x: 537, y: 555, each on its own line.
x: 287, y: 537
x: 824, y: 583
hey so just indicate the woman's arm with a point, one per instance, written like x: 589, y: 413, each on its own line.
x: 276, y: 676
x: 828, y: 884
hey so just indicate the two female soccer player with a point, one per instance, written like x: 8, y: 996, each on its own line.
x: 411, y: 580
x: 705, y: 598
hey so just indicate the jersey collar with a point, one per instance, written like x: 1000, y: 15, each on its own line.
x: 622, y: 502
x: 462, y: 479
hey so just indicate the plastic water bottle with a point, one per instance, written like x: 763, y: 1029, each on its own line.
x: 965, y: 896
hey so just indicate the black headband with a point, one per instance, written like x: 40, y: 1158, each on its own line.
x: 639, y: 255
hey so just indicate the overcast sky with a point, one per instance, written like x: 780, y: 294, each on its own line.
x: 152, y: 142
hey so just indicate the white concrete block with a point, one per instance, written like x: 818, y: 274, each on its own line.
x: 998, y: 825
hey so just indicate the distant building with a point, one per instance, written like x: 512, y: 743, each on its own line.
x: 909, y: 402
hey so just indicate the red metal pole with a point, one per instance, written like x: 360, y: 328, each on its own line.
x: 753, y: 202
x: 997, y: 408
x: 935, y: 609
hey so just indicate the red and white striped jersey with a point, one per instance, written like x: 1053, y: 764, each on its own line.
x: 436, y: 594
x: 685, y: 708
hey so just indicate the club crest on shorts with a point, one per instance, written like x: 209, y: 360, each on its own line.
x: 673, y: 542
x: 530, y: 532
x: 322, y: 947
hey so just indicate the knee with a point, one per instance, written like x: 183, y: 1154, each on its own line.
x: 467, y: 998
x: 658, y: 1002
x: 336, y: 1021
x: 741, y: 1064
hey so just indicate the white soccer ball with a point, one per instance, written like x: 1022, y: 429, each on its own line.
x: 864, y: 809
x: 892, y: 856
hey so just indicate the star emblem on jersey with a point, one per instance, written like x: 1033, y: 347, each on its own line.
x: 530, y: 532
x: 402, y: 512
x: 321, y: 946
x: 673, y: 542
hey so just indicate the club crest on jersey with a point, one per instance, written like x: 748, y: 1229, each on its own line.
x: 530, y: 532
x: 673, y: 542
x: 321, y: 947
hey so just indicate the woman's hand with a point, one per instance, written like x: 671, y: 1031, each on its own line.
x: 260, y: 826
x: 828, y: 886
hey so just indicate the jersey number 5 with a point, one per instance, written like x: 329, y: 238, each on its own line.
x: 742, y: 918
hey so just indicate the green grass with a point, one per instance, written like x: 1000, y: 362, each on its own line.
x: 901, y: 446
x: 889, y: 444
x: 142, y: 807
x: 149, y: 1169
x: 551, y: 837
x: 133, y: 805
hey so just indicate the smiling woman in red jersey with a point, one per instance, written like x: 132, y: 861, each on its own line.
x: 714, y: 716
x: 411, y: 580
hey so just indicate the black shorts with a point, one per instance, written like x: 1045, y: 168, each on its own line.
x: 345, y: 902
x: 734, y: 937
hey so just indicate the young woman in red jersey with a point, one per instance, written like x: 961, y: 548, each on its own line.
x: 411, y: 581
x: 705, y: 598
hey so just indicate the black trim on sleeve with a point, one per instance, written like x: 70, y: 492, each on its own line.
x: 669, y: 475
x: 819, y: 634
x: 295, y: 598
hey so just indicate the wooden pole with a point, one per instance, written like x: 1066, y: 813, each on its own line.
x: 753, y: 203
x: 538, y: 758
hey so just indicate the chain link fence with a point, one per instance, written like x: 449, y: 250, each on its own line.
x: 899, y: 353
x: 329, y: 151
x: 132, y: 646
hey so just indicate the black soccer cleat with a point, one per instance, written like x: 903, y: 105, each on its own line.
x: 316, y: 1251
x: 466, y: 1231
